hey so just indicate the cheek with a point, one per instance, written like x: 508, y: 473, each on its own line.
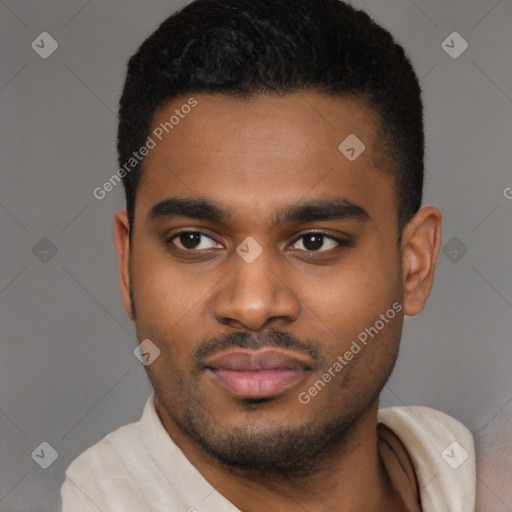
x: 165, y: 292
x: 348, y: 297
x: 363, y: 355
x: 168, y: 301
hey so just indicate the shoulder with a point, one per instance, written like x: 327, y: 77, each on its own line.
x: 424, y: 421
x: 443, y: 454
x: 105, y: 455
x: 102, y: 477
x: 96, y: 469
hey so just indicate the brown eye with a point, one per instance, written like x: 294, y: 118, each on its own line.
x: 318, y: 242
x: 192, y: 241
x: 313, y: 242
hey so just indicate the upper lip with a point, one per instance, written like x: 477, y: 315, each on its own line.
x: 259, y: 360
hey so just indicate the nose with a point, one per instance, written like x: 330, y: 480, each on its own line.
x: 255, y: 295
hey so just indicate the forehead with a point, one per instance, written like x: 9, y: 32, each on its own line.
x: 266, y: 149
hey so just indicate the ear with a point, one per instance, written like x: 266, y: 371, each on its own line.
x: 421, y: 241
x: 122, y: 238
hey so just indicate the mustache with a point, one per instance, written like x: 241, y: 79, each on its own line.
x: 255, y: 341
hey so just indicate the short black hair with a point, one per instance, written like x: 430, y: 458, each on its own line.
x: 245, y: 47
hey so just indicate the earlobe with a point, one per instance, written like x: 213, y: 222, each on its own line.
x: 421, y: 242
x: 122, y: 239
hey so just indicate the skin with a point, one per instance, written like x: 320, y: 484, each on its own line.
x: 255, y: 157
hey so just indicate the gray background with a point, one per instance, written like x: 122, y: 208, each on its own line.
x: 68, y: 375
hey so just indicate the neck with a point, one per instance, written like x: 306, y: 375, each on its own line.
x: 351, y: 477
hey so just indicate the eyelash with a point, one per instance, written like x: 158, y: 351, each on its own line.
x: 342, y: 242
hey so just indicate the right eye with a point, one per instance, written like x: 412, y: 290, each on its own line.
x: 191, y: 241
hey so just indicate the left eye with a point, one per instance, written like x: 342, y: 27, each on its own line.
x: 316, y: 241
x: 191, y: 240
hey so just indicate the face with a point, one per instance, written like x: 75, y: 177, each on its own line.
x: 266, y: 269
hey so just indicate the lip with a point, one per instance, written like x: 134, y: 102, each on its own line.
x: 262, y: 373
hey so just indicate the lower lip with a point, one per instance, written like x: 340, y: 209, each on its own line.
x: 258, y: 384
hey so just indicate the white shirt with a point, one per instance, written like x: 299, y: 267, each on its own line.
x: 139, y: 468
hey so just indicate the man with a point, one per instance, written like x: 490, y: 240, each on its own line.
x: 272, y: 156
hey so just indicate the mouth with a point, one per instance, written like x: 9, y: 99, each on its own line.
x: 258, y: 374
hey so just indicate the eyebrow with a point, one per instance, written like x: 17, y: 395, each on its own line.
x: 323, y: 210
x: 203, y: 209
